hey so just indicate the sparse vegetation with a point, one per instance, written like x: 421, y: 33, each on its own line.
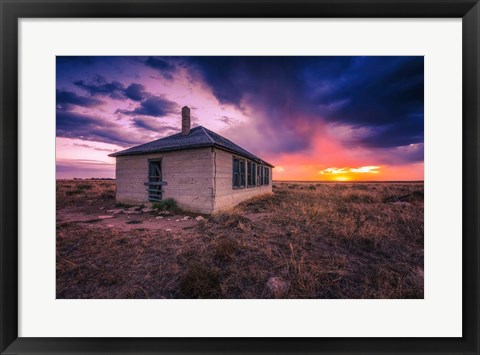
x: 72, y: 192
x: 168, y: 204
x: 201, y: 281
x: 330, y: 241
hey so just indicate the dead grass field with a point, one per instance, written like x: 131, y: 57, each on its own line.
x: 318, y: 240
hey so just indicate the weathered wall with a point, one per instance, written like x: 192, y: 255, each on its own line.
x: 225, y: 195
x: 188, y: 173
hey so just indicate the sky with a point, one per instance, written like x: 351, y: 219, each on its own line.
x: 314, y: 118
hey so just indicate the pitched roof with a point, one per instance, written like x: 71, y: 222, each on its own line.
x: 199, y: 137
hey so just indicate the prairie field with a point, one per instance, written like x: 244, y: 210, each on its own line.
x: 306, y: 240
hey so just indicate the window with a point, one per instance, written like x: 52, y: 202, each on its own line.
x: 238, y: 178
x: 260, y: 175
x: 252, y: 174
x: 267, y: 176
x: 242, y: 173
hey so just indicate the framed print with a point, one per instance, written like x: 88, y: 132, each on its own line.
x: 259, y: 177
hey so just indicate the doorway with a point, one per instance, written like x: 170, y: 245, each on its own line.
x: 155, y: 180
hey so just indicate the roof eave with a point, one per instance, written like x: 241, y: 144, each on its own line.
x: 258, y: 160
x: 195, y: 146
x: 173, y: 149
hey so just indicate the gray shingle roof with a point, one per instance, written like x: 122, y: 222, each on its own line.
x: 199, y: 137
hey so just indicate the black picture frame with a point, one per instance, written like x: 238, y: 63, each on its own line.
x: 11, y: 11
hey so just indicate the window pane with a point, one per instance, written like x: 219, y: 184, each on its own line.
x: 235, y: 181
x: 254, y: 174
x: 242, y: 173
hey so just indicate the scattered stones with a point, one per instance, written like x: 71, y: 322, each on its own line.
x: 277, y: 287
x: 105, y: 217
x: 177, y: 220
x: 159, y: 217
x: 168, y: 230
x: 186, y: 218
x: 134, y: 208
x: 101, y: 208
x: 164, y: 213
x: 147, y: 210
x: 115, y: 211
x: 199, y: 218
x: 110, y: 225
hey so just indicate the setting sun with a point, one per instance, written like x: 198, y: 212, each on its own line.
x: 347, y: 173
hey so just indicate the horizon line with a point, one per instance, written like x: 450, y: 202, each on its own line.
x: 273, y: 181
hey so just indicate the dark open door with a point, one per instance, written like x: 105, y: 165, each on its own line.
x: 155, y: 180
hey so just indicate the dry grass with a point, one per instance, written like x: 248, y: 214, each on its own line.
x: 324, y: 240
x: 74, y: 192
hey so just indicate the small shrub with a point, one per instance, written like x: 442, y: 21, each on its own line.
x: 201, y: 281
x: 233, y: 218
x: 359, y: 197
x: 108, y: 194
x: 84, y: 187
x: 168, y: 204
x: 225, y: 249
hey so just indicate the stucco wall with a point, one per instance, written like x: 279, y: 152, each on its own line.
x: 225, y: 195
x: 188, y: 173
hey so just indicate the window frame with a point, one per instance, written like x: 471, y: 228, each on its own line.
x: 235, y: 174
x: 243, y: 175
x: 251, y: 174
x: 239, y: 176
x: 261, y: 174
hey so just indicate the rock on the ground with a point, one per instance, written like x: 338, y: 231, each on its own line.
x: 277, y: 287
x: 134, y: 208
x: 110, y: 225
x: 159, y: 217
x: 147, y: 210
x: 199, y: 218
x: 101, y: 208
x: 105, y: 217
x: 168, y: 229
x: 132, y: 212
x: 186, y: 218
x: 115, y: 211
x: 164, y: 213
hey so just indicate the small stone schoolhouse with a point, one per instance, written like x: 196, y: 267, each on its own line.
x: 201, y: 170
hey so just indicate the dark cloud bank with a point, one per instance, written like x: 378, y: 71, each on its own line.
x: 383, y: 97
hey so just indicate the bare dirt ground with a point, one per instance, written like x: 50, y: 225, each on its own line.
x: 307, y: 240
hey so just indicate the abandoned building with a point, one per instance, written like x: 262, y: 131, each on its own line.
x: 203, y: 171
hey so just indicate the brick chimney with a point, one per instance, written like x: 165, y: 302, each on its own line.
x: 185, y: 120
